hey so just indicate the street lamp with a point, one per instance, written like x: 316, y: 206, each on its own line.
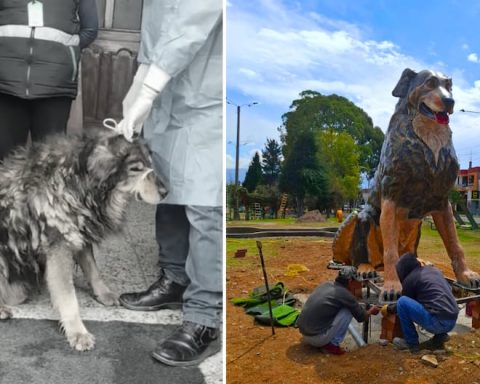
x: 236, y: 214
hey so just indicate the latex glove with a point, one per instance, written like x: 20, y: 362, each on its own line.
x: 136, y: 86
x: 388, y: 309
x: 135, y: 114
x: 384, y: 310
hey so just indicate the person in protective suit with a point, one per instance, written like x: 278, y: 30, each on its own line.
x: 177, y: 96
x: 329, y: 310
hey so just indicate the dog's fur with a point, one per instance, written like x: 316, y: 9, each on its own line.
x: 57, y: 199
x: 418, y: 166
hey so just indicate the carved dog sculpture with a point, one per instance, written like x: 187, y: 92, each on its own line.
x: 418, y: 166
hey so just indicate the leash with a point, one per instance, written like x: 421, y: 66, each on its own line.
x: 110, y: 124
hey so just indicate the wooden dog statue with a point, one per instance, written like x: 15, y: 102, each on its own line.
x: 418, y: 167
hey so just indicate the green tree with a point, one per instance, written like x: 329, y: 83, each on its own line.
x: 314, y: 112
x: 302, y: 172
x: 340, y: 156
x: 271, y: 162
x: 254, y: 174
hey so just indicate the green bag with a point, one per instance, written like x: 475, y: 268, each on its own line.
x: 259, y: 296
x: 283, y: 315
x: 256, y: 304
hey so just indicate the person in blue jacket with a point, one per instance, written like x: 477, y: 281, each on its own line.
x: 427, y: 300
x: 177, y: 98
x: 40, y: 45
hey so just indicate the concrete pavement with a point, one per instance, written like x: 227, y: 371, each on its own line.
x: 32, y: 350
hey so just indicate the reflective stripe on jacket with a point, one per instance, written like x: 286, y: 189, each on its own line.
x: 38, y: 62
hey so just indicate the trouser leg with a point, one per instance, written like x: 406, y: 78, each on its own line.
x: 410, y: 312
x: 15, y: 123
x: 172, y: 232
x: 335, y: 334
x: 340, y: 325
x: 203, y: 299
x: 49, y: 115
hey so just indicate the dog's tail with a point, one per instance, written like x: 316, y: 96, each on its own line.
x: 359, y: 240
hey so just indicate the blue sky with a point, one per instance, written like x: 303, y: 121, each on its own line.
x: 354, y: 48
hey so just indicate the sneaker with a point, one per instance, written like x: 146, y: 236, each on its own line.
x: 402, y: 345
x: 333, y: 349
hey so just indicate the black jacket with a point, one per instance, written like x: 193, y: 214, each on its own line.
x: 42, y: 61
x: 323, y: 305
x: 428, y: 286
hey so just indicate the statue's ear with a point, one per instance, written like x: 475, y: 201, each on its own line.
x: 403, y: 84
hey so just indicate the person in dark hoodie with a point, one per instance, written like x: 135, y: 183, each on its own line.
x: 328, y: 311
x: 426, y: 300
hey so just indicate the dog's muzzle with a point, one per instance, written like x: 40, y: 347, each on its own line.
x: 439, y: 117
x: 150, y: 188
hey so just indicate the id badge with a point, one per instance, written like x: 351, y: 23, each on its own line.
x: 35, y: 14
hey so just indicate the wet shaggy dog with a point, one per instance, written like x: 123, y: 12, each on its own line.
x: 418, y: 167
x: 57, y: 199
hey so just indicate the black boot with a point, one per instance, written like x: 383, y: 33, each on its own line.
x: 436, y: 342
x: 188, y: 345
x: 162, y: 294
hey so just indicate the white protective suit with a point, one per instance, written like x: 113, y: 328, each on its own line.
x: 183, y: 38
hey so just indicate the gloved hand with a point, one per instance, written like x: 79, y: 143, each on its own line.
x: 384, y: 310
x: 138, y: 103
x: 136, y: 86
x: 388, y: 309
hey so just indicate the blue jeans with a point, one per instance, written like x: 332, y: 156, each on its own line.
x: 410, y: 311
x: 335, y: 334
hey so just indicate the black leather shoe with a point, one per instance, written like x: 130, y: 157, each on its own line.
x: 162, y: 294
x: 188, y: 345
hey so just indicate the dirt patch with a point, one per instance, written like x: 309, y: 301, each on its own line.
x: 312, y: 217
x: 255, y: 356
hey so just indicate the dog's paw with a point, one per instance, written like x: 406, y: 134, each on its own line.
x: 469, y: 278
x: 5, y: 313
x: 391, y: 291
x: 82, y: 341
x: 108, y: 298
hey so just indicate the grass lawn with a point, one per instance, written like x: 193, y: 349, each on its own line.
x: 430, y: 248
x: 289, y: 222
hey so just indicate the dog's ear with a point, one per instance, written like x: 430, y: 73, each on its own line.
x: 102, y: 162
x: 403, y: 84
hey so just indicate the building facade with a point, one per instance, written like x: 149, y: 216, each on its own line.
x: 468, y: 185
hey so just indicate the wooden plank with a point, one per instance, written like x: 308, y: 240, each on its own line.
x: 90, y: 83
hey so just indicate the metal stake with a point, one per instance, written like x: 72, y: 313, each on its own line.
x: 259, y: 246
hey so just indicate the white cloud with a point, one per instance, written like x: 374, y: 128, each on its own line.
x: 311, y: 52
x: 276, y: 51
x: 465, y: 46
x: 249, y: 73
x: 473, y: 57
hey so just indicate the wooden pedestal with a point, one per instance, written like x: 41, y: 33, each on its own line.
x: 391, y: 327
x: 475, y: 306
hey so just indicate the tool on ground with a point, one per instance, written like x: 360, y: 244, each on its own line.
x: 356, y: 336
x: 259, y: 246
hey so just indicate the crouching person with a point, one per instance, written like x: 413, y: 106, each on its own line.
x: 427, y: 300
x: 328, y: 311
